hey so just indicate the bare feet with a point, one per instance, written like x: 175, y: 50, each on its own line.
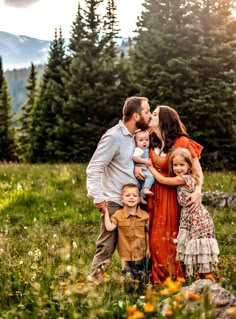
x: 142, y: 200
x: 147, y: 191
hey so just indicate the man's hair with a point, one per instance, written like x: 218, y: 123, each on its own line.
x: 132, y: 105
x: 126, y: 186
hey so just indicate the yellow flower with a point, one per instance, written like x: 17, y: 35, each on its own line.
x: 181, y: 279
x: 193, y: 296
x: 169, y: 312
x: 231, y: 311
x: 148, y: 307
x: 138, y: 315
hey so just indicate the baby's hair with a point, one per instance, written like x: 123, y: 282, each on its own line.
x: 184, y: 152
x: 126, y: 186
x: 141, y: 131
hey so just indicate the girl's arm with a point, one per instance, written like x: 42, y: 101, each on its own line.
x: 108, y: 224
x: 171, y: 181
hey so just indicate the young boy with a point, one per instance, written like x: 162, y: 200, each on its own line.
x: 133, y: 239
x: 140, y: 157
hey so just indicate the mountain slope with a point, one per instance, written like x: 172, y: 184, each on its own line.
x: 19, y: 51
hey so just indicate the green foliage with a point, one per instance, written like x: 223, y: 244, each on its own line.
x: 25, y: 120
x: 48, y: 230
x: 184, y: 56
x: 47, y: 141
x: 17, y: 81
x: 7, y: 145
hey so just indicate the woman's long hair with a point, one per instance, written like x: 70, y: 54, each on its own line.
x: 171, y: 128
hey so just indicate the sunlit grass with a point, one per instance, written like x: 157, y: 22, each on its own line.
x: 48, y: 229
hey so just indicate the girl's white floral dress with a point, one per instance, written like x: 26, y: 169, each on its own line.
x: 197, y: 247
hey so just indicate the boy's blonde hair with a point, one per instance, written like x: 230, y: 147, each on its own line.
x: 185, y: 153
x: 126, y: 186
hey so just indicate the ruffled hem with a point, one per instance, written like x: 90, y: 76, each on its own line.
x: 198, y: 255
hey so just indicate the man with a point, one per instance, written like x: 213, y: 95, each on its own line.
x: 110, y: 168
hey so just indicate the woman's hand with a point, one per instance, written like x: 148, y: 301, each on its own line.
x: 138, y: 172
x: 195, y: 200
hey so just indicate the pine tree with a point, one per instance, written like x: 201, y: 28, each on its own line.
x: 94, y: 80
x: 184, y: 57
x: 25, y: 120
x: 7, y: 147
x: 46, y: 137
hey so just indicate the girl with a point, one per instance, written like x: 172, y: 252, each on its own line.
x: 197, y: 247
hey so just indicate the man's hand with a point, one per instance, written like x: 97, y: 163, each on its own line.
x: 101, y: 207
x: 138, y: 172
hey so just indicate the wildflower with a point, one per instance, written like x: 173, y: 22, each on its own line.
x: 169, y: 312
x: 171, y: 285
x: 181, y: 279
x: 231, y: 311
x: 54, y: 236
x: 148, y: 307
x: 30, y: 253
x: 74, y: 245
x: 1, y: 251
x: 138, y: 315
x: 52, y: 287
x: 193, y: 296
x: 21, y: 262
x: 35, y: 219
x: 69, y: 268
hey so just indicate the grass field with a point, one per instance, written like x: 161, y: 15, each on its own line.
x: 48, y: 230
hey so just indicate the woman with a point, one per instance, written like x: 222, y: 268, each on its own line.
x: 168, y: 132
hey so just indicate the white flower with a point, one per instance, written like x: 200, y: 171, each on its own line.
x: 74, y: 245
x: 30, y: 253
x: 175, y: 241
x: 54, y: 236
x: 69, y: 268
x: 21, y: 262
x: 1, y: 251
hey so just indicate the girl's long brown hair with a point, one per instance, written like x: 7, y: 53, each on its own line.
x: 171, y: 128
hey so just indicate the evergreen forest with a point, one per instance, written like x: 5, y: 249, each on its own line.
x: 183, y: 55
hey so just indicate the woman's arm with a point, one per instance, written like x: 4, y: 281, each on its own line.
x: 108, y: 224
x: 171, y: 181
x: 196, y: 197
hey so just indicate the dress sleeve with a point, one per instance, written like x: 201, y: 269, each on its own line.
x: 195, y: 149
x: 190, y: 182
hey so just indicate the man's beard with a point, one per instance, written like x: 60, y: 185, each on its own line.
x: 141, y: 124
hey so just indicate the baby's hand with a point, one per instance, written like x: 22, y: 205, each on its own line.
x: 148, y: 162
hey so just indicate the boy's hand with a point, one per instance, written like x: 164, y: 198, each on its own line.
x: 101, y: 207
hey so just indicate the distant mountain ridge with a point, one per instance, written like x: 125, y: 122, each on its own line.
x: 18, y: 51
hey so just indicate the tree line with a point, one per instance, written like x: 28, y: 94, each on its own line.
x: 183, y: 55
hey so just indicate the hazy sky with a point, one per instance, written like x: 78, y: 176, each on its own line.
x: 39, y: 18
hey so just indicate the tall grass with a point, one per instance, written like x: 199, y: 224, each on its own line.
x: 48, y: 230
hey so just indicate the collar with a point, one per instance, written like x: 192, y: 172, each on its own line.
x: 124, y: 129
x: 138, y: 212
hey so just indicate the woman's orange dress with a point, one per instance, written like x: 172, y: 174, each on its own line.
x: 164, y: 212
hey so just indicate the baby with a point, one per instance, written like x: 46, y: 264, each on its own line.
x: 140, y: 157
